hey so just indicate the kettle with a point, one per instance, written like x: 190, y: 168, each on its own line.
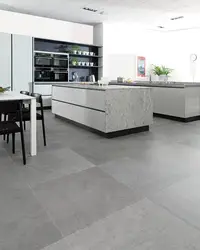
x: 91, y: 78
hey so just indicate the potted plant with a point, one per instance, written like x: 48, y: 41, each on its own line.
x: 74, y: 61
x: 161, y: 72
x: 75, y: 49
x: 165, y: 73
x: 2, y: 89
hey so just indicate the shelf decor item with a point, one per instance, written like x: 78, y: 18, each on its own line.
x: 2, y: 90
x: 75, y: 49
x: 74, y: 61
x: 141, y: 66
x: 80, y: 52
x: 161, y: 72
x: 83, y: 63
x: 87, y: 64
x: 91, y: 64
x: 91, y: 53
x: 79, y: 63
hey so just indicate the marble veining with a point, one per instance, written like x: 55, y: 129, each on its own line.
x: 128, y: 108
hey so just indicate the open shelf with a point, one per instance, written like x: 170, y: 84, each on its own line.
x: 88, y: 56
x: 83, y: 67
x: 62, y: 49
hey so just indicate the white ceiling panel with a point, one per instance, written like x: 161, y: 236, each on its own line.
x: 153, y: 13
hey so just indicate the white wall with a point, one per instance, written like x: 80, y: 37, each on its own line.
x: 122, y: 42
x: 22, y: 62
x: 16, y: 23
x: 179, y: 45
x: 5, y: 62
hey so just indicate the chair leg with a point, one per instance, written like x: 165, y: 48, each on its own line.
x: 7, y: 138
x: 23, y: 147
x: 4, y: 136
x: 13, y: 143
x: 44, y: 132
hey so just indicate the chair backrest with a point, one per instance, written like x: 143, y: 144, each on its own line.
x: 40, y: 101
x: 10, y: 106
x: 38, y: 97
x: 24, y: 92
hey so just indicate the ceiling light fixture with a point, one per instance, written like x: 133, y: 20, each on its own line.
x: 161, y: 27
x: 176, y: 18
x: 90, y: 9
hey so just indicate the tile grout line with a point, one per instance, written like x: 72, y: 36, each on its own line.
x: 175, y: 215
x: 48, y: 213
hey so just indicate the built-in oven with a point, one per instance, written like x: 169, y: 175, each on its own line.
x: 44, y: 75
x: 60, y: 61
x: 60, y: 75
x: 43, y: 59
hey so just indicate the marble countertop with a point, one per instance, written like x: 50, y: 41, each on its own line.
x: 159, y: 84
x: 92, y: 86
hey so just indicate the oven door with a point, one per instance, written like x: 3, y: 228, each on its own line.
x: 60, y: 62
x: 43, y: 61
x: 60, y: 75
x: 43, y: 75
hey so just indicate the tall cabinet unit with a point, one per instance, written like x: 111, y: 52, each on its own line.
x: 6, y: 59
x: 22, y: 62
x: 60, y: 61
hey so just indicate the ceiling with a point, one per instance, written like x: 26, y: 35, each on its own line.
x: 150, y: 13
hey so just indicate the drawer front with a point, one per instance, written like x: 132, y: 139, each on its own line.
x: 43, y: 89
x: 91, y: 118
x: 83, y: 97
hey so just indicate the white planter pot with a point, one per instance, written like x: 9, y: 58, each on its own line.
x: 79, y: 63
x: 87, y: 64
x: 155, y: 78
x: 163, y: 78
x: 79, y: 52
x: 74, y: 51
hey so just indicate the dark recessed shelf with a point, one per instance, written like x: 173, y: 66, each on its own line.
x: 83, y: 67
x: 88, y: 56
x: 49, y: 67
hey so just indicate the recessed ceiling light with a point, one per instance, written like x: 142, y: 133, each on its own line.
x: 176, y: 18
x: 161, y: 27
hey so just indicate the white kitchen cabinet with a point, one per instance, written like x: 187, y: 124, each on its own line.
x: 22, y: 59
x: 5, y: 62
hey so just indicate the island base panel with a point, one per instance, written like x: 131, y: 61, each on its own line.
x: 179, y: 119
x: 110, y: 134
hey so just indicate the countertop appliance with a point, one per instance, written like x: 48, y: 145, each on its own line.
x: 90, y: 78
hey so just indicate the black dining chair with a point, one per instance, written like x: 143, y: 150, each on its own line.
x: 10, y: 126
x: 26, y: 116
x: 24, y: 109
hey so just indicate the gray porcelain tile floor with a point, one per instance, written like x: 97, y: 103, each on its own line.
x: 84, y: 192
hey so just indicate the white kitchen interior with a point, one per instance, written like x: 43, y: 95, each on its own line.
x: 99, y: 125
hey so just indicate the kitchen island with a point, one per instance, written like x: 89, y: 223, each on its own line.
x: 173, y: 100
x: 109, y: 110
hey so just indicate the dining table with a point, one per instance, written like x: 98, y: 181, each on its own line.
x: 13, y: 96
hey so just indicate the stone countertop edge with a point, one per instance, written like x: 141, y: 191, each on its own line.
x: 99, y: 88
x: 159, y: 84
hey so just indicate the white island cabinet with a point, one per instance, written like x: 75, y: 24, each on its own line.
x: 111, y: 110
